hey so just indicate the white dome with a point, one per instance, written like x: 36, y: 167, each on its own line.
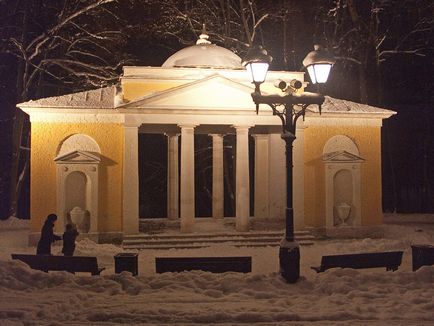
x: 204, y: 55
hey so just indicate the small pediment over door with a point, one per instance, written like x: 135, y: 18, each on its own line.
x: 78, y: 157
x: 341, y: 156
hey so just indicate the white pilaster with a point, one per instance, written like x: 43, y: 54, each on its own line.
x: 262, y: 176
x: 187, y: 213
x: 130, y: 205
x: 298, y: 177
x: 242, y: 192
x: 217, y: 176
x: 172, y: 176
x: 277, y: 177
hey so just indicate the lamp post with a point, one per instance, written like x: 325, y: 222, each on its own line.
x: 318, y: 64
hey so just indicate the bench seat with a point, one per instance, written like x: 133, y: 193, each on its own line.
x: 208, y: 264
x: 422, y: 255
x: 70, y: 264
x: 391, y: 260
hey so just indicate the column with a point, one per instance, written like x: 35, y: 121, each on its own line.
x: 217, y: 176
x: 298, y: 177
x: 172, y: 176
x: 130, y: 204
x: 242, y: 190
x: 187, y: 178
x: 277, y: 177
x: 262, y: 176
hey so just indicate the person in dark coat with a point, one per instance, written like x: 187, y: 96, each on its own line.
x: 47, y: 236
x: 69, y: 237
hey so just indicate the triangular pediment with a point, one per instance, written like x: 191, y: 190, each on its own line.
x: 78, y: 157
x: 211, y: 93
x: 341, y: 156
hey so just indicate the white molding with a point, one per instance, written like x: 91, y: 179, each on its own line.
x: 340, y: 153
x: 79, y: 144
x: 262, y: 177
x: 344, y: 119
x: 139, y: 74
x: 67, y: 165
x: 130, y: 184
x: 71, y: 115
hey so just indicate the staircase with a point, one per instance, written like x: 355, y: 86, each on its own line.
x: 200, y: 240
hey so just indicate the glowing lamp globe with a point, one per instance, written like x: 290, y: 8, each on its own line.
x: 257, y: 62
x: 318, y: 64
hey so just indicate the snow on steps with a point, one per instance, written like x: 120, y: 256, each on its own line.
x: 200, y: 240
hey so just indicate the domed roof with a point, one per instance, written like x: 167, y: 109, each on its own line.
x: 204, y: 54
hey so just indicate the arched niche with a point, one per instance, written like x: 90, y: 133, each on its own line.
x: 77, y: 183
x: 342, y: 181
x: 78, y: 142
x: 78, y: 198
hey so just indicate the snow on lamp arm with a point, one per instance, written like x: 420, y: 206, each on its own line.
x: 257, y: 62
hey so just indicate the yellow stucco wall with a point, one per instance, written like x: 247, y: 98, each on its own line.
x: 45, y: 143
x: 133, y: 90
x: 368, y: 140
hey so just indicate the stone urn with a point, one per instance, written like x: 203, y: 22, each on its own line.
x: 78, y: 217
x: 343, y: 211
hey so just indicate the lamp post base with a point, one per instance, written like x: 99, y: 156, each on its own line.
x: 289, y: 260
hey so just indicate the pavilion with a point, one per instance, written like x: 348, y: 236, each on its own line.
x: 85, y: 153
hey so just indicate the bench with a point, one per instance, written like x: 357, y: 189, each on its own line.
x: 70, y: 264
x: 389, y: 259
x: 422, y: 255
x: 207, y: 264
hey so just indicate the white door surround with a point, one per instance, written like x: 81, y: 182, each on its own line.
x: 343, y: 182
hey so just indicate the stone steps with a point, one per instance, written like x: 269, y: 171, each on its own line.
x: 200, y: 240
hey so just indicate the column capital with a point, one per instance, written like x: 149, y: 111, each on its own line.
x: 216, y: 135
x: 172, y: 134
x: 188, y: 125
x: 242, y: 126
x: 131, y: 126
x: 130, y: 122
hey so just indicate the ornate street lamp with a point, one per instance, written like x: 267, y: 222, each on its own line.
x: 288, y: 108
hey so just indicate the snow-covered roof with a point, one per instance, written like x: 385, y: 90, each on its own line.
x: 101, y: 98
x: 334, y: 105
x: 106, y: 98
x: 204, y: 54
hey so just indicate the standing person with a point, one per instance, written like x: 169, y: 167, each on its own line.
x: 47, y: 236
x: 69, y: 237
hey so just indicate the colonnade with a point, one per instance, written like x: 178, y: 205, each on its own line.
x: 269, y: 190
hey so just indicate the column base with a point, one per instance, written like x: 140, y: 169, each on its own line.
x: 187, y: 226
x: 242, y: 227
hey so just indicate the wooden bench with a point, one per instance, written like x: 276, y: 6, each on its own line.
x: 208, y: 264
x: 389, y: 259
x: 70, y: 264
x: 422, y: 255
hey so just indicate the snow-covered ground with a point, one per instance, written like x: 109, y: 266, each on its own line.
x: 335, y: 297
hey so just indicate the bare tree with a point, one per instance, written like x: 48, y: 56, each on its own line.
x: 232, y: 23
x: 367, y: 34
x: 67, y: 43
x: 371, y: 37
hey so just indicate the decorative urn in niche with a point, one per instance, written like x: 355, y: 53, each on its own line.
x: 342, y: 211
x: 80, y: 218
